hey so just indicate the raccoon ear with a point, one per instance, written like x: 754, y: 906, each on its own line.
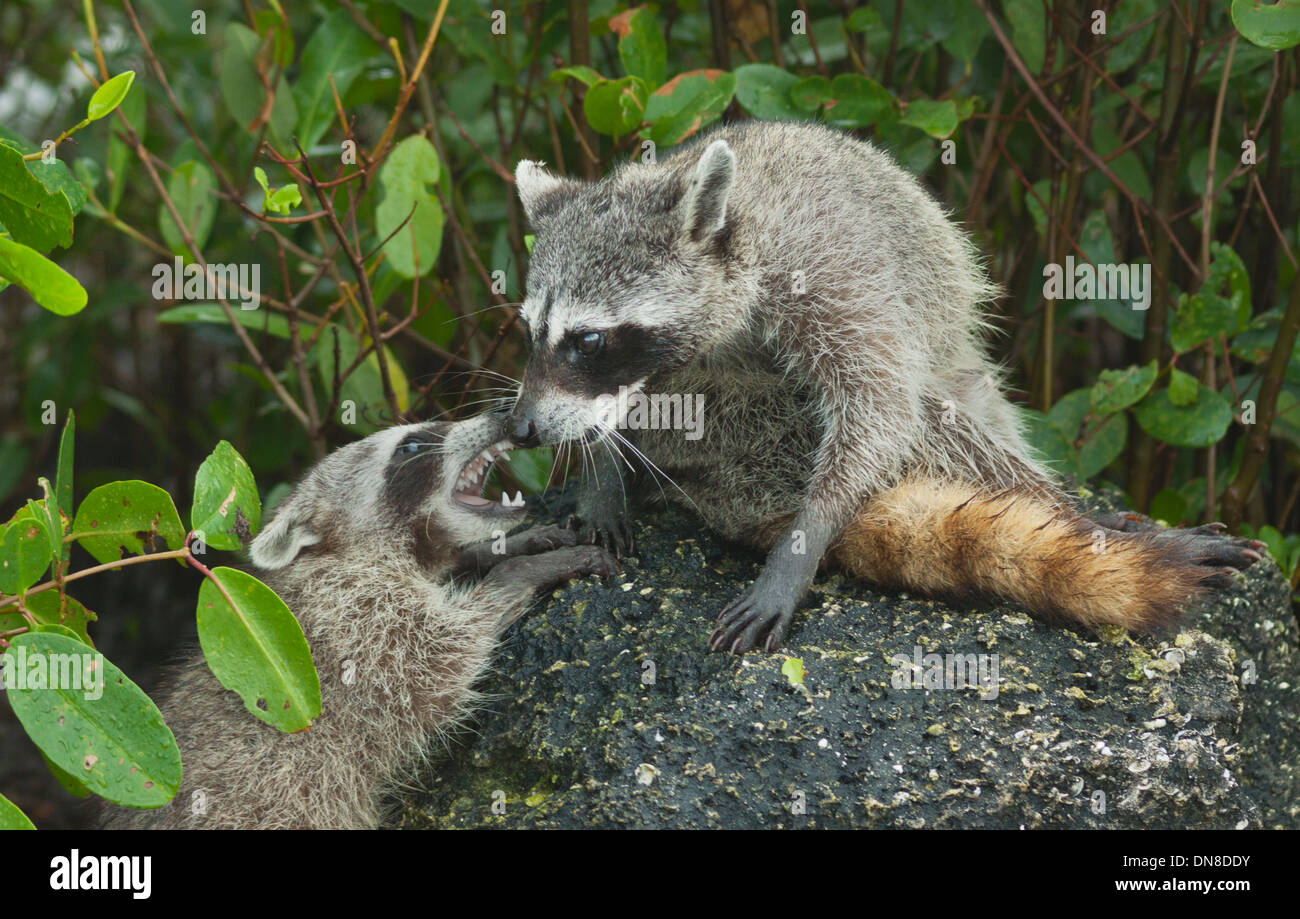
x: 706, y: 198
x: 289, y: 532
x: 538, y: 189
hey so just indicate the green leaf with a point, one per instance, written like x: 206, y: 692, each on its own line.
x: 259, y: 174
x: 582, y: 74
x: 408, y: 178
x: 11, y: 818
x: 363, y: 387
x: 47, y: 512
x: 63, y: 475
x: 938, y: 119
x: 49, y: 285
x: 1228, y: 276
x: 243, y: 92
x: 1197, y: 424
x: 1102, y: 445
x: 810, y: 93
x: 641, y: 46
x: 212, y: 314
x: 25, y: 552
x: 46, y: 609
x: 764, y: 91
x: 1027, y: 31
x: 1201, y: 317
x: 531, y: 468
x: 1125, y: 52
x: 1116, y: 390
x: 127, y: 516
x: 69, y: 781
x: 336, y: 48
x: 283, y: 200
x: 1183, y: 387
x: 859, y: 102
x: 117, y: 745
x: 55, y: 176
x: 688, y: 102
x: 1275, y: 26
x: 190, y: 187
x: 615, y: 107
x: 1049, y: 443
x: 969, y: 29
x: 793, y: 671
x: 33, y: 215
x: 226, y: 507
x: 109, y: 95
x: 863, y: 19
x: 1069, y: 411
x: 256, y: 648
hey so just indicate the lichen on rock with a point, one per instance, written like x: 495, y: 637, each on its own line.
x: 606, y: 710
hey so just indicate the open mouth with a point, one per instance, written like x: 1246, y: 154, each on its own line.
x: 468, y: 491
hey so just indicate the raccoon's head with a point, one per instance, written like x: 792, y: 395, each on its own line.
x: 414, y: 488
x: 624, y: 283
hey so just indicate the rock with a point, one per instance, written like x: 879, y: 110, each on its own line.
x: 608, y: 711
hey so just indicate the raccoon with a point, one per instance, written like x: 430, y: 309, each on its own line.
x: 830, y: 314
x: 403, y: 580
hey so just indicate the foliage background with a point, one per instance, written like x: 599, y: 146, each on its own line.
x: 1065, y: 142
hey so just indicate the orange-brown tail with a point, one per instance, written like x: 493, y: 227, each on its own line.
x: 948, y: 538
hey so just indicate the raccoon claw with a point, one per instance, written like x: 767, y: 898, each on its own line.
x: 613, y: 533
x: 749, y: 621
x: 595, y: 560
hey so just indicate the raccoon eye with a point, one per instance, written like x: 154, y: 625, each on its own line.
x: 588, y: 343
x: 414, y: 446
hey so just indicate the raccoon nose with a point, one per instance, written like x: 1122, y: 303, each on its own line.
x: 523, y: 432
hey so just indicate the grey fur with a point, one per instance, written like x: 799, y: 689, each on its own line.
x: 362, y: 552
x: 821, y: 299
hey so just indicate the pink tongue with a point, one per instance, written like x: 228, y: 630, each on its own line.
x: 472, y: 499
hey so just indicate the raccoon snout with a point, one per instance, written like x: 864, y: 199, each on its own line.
x: 522, y: 431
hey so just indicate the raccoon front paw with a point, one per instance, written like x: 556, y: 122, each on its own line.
x: 583, y: 560
x: 756, y: 617
x: 609, y: 530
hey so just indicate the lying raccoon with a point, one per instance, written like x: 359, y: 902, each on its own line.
x: 829, y: 312
x: 363, y: 551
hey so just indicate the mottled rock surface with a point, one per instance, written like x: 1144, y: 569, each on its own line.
x: 607, y: 711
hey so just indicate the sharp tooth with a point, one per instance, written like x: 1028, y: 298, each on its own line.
x: 486, y: 455
x: 519, y: 499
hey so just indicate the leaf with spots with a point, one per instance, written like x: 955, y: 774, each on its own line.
x: 255, y: 647
x: 687, y: 103
x: 48, y: 612
x: 24, y: 552
x: 615, y: 107
x: 132, y: 517
x: 226, y: 507
x: 115, y: 743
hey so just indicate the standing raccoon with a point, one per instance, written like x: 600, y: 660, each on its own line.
x: 362, y: 552
x: 830, y: 314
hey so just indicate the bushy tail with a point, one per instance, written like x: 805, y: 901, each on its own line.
x: 946, y: 538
